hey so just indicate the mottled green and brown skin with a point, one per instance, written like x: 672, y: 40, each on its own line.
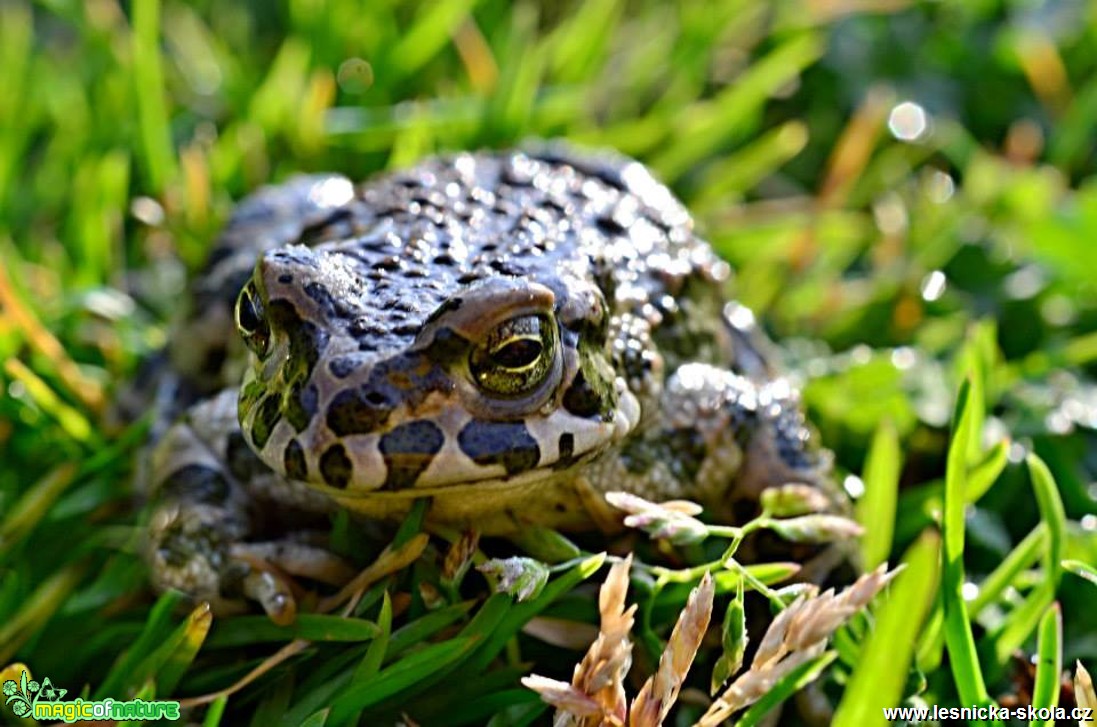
x: 509, y: 334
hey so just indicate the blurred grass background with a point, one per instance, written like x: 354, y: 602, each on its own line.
x: 906, y: 191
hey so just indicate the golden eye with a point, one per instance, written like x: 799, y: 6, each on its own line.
x: 516, y: 357
x: 250, y: 321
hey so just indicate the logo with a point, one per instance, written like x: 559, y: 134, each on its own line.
x: 28, y: 698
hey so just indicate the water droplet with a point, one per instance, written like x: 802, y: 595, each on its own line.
x: 933, y: 286
x: 904, y: 358
x: 1017, y: 453
x: 940, y: 187
x: 908, y: 121
x: 355, y: 75
x: 890, y: 215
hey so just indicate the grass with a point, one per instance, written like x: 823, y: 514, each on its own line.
x: 896, y: 251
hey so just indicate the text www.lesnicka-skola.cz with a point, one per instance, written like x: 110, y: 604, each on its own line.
x: 1029, y: 713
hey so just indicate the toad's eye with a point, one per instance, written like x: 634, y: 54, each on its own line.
x: 251, y: 321
x: 516, y: 357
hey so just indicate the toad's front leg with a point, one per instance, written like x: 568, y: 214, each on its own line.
x: 716, y: 437
x: 213, y: 505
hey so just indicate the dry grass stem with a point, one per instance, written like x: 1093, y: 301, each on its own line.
x: 596, y: 695
x: 797, y: 635
x: 660, y: 691
x: 1084, y: 693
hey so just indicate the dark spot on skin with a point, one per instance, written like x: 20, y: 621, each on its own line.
x: 293, y: 459
x: 336, y: 467
x: 243, y: 463
x: 266, y: 417
x: 285, y: 278
x: 362, y: 326
x: 505, y: 443
x: 360, y: 410
x: 610, y: 227
x: 581, y: 399
x: 566, y: 444
x: 388, y: 264
x: 406, y: 329
x: 507, y: 266
x: 343, y: 366
x: 408, y: 450
x: 314, y: 233
x: 301, y: 406
x: 196, y: 483
x: 323, y: 299
x: 606, y: 170
x: 556, y: 206
x: 560, y: 507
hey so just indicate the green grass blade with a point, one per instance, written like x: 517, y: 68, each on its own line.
x: 1021, y: 623
x: 37, y: 609
x: 426, y: 626
x: 317, y: 719
x: 702, y: 129
x: 517, y: 616
x: 118, y: 682
x: 984, y: 473
x: 1022, y: 556
x: 966, y: 671
x: 1082, y: 570
x: 733, y: 176
x: 919, y: 504
x: 876, y: 509
x: 311, y: 626
x: 931, y: 643
x: 399, y: 676
x: 375, y: 654
x: 1052, y: 514
x: 428, y: 33
x: 881, y: 672
x: 169, y: 662
x: 1049, y: 664
x: 25, y: 514
x: 157, y: 151
x: 214, y: 712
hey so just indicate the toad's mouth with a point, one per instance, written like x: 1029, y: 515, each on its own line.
x: 478, y: 488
